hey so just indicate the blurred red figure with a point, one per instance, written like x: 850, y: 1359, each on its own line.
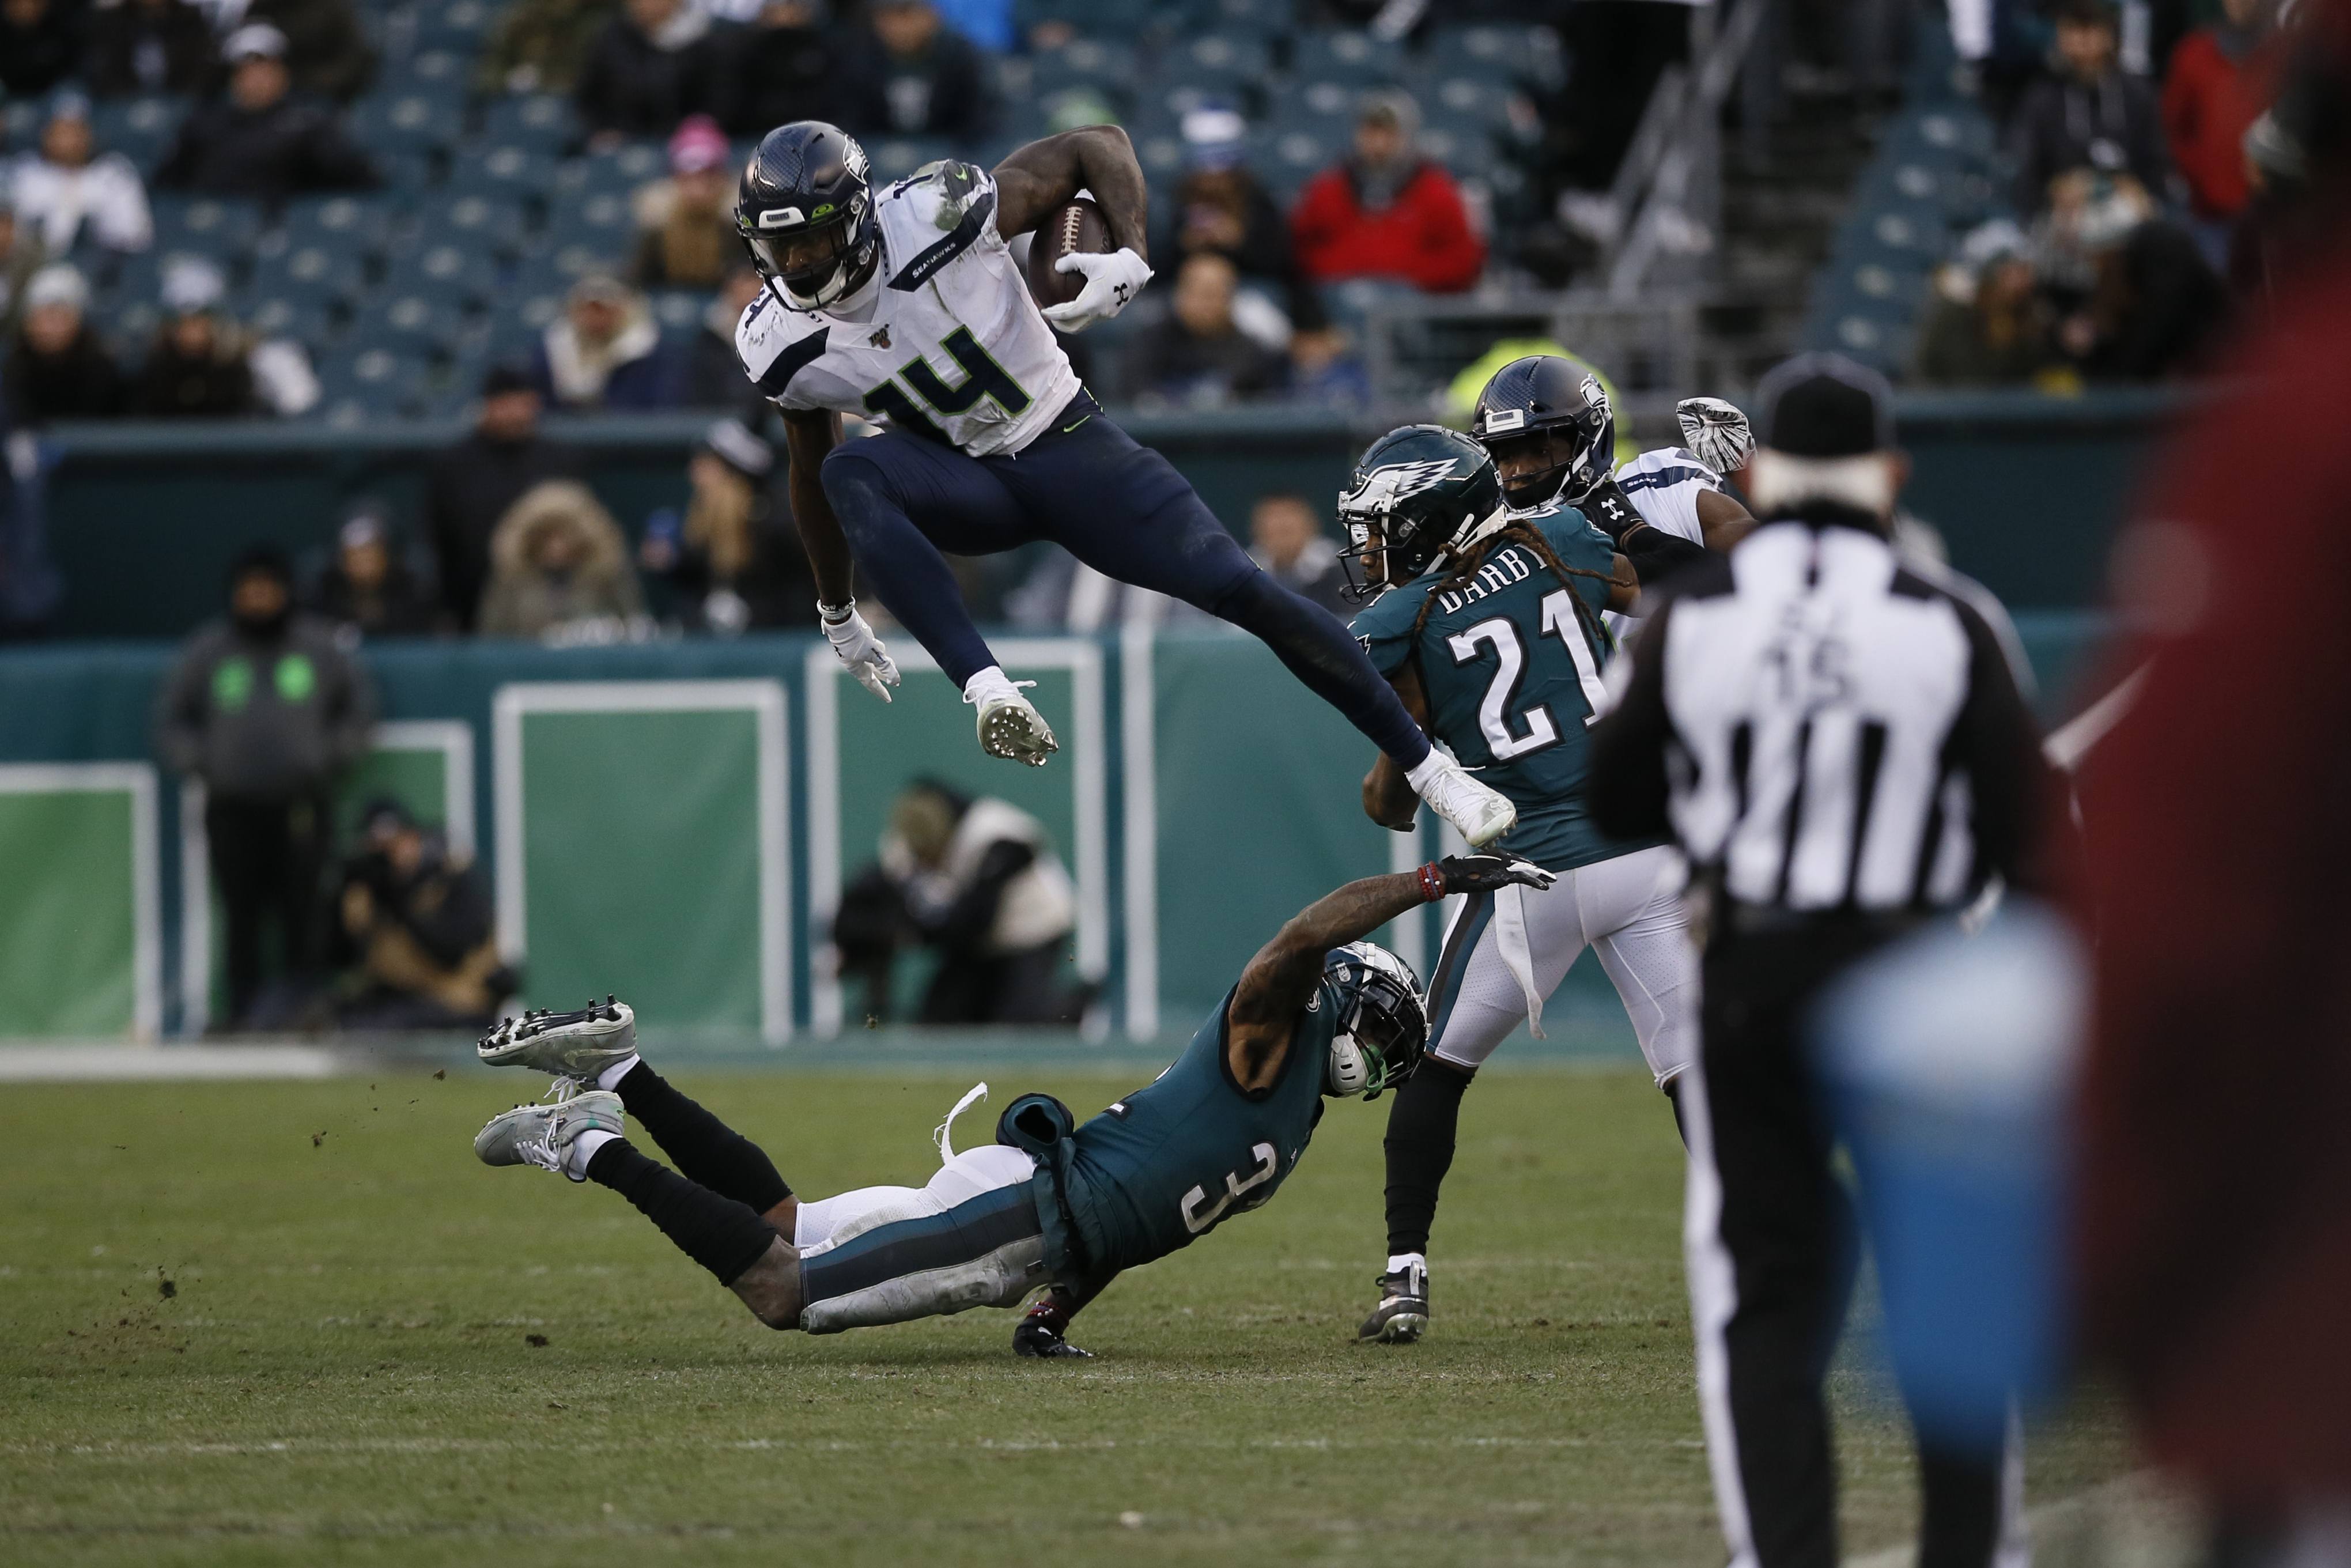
x: 2215, y: 1225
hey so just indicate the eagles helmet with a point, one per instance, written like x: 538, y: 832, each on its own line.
x: 1382, y: 1023
x: 1541, y: 393
x: 805, y: 212
x: 1415, y: 491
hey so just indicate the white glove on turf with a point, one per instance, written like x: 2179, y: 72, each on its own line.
x: 859, y: 648
x: 1112, y: 283
x: 1714, y: 431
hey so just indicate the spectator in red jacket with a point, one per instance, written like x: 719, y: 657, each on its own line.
x: 1387, y: 211
x: 2222, y: 77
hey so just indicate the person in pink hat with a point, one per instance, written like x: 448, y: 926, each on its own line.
x: 686, y: 224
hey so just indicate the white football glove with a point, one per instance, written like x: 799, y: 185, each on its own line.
x: 1714, y: 431
x: 1112, y: 283
x: 858, y: 647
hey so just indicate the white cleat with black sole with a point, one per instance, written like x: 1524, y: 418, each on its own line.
x: 543, y: 1135
x: 569, y: 1045
x: 1478, y: 812
x: 1012, y: 728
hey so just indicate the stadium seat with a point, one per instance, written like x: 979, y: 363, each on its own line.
x: 361, y: 223
x: 435, y: 72
x: 1466, y: 152
x: 1355, y: 58
x: 307, y: 271
x: 1106, y: 66
x: 20, y: 120
x: 455, y: 26
x: 1287, y: 157
x: 1265, y: 19
x: 310, y: 322
x: 357, y: 387
x: 472, y: 218
x: 504, y: 171
x: 404, y: 121
x: 680, y: 310
x: 1484, y: 100
x: 218, y: 226
x: 599, y: 221
x: 1496, y: 53
x: 464, y: 275
x: 140, y: 129
x: 541, y: 121
x: 413, y: 325
x: 1214, y: 65
x: 621, y: 170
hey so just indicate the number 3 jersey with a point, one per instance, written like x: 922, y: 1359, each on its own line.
x: 1172, y: 1161
x: 1512, y: 674
x: 942, y: 341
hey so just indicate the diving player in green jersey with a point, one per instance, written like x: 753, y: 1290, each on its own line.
x: 1050, y: 1206
x: 1490, y: 630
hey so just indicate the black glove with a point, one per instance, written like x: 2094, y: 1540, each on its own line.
x: 1039, y: 1334
x: 1039, y: 1339
x: 1487, y: 873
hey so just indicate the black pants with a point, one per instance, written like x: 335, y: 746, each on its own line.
x: 1772, y: 1249
x: 266, y: 858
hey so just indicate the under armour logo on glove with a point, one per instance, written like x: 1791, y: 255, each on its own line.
x: 1112, y: 282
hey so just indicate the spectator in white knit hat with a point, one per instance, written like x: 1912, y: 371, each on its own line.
x: 57, y: 368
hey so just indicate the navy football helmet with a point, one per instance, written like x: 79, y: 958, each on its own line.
x: 805, y: 212
x: 1383, y: 1022
x: 1415, y: 491
x: 1545, y: 398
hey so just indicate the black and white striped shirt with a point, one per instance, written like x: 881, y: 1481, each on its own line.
x: 1825, y: 725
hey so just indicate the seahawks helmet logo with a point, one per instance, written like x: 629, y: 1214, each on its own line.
x: 1382, y: 487
x: 1597, y: 395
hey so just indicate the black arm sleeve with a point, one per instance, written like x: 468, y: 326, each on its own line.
x: 1997, y: 742
x: 1627, y: 786
x: 1656, y: 554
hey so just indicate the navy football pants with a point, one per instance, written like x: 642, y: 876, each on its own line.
x: 1120, y: 508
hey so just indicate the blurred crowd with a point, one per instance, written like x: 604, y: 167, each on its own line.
x: 2149, y: 180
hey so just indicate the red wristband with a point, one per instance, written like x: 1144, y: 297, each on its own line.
x: 1432, y: 882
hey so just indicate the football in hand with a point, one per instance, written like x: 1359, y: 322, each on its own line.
x: 1076, y: 227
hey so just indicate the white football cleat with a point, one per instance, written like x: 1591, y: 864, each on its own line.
x: 1479, y: 813
x: 542, y: 1136
x: 569, y: 1045
x: 1012, y: 728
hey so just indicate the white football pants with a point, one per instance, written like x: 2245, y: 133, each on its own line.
x: 961, y: 1179
x: 1503, y: 947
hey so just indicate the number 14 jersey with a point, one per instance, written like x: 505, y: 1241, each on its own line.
x: 943, y: 341
x: 1513, y: 675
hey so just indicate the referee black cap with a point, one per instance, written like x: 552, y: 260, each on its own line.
x: 1824, y: 405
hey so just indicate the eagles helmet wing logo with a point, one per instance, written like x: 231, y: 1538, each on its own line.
x: 1382, y: 487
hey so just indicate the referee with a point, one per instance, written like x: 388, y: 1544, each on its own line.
x: 1836, y: 734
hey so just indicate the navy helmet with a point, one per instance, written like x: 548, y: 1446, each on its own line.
x: 1416, y: 491
x: 1383, y: 1029
x: 1544, y: 393
x: 805, y: 212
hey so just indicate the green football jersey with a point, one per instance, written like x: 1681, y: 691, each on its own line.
x: 1167, y: 1164
x: 1512, y: 674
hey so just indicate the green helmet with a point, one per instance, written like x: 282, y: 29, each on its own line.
x: 1415, y: 491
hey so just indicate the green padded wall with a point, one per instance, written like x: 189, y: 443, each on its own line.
x: 79, y: 926
x: 641, y: 849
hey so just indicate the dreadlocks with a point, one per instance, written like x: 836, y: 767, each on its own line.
x: 1471, y: 559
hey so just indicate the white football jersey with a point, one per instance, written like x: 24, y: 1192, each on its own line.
x: 943, y: 341
x: 1663, y: 487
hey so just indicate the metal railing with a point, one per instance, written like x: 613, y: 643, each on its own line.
x: 1670, y: 184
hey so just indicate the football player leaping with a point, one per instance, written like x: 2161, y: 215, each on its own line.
x: 1319, y: 1011
x: 1490, y: 632
x: 905, y: 307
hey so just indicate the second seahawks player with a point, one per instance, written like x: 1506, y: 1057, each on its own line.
x: 1490, y: 630
x: 905, y: 306
x: 1549, y: 425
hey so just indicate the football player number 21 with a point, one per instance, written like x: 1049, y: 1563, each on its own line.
x: 1501, y: 634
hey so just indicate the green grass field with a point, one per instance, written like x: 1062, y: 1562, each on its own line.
x: 298, y: 1324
